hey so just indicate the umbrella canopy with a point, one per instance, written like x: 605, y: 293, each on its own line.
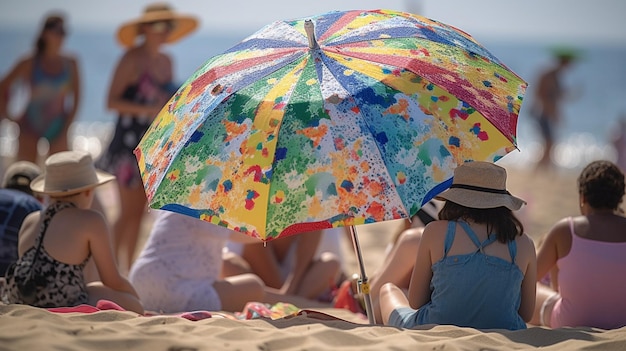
x: 362, y: 120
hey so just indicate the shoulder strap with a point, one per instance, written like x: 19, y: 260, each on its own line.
x: 472, y: 235
x: 51, y: 210
x: 449, y: 238
x: 571, y: 225
x: 512, y: 250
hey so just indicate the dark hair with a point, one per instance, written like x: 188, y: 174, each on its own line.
x: 20, y: 182
x: 602, y: 185
x: 500, y: 220
x: 52, y: 21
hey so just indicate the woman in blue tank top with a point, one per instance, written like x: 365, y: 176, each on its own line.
x: 475, y: 267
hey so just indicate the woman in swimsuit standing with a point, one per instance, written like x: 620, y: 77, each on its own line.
x: 53, y: 82
x: 141, y: 85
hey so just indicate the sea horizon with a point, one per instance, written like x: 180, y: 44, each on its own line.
x: 584, y: 135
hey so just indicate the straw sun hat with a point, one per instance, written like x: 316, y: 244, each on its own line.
x: 67, y: 173
x: 157, y: 12
x: 480, y: 185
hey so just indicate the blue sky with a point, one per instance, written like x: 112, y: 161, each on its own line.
x: 566, y: 20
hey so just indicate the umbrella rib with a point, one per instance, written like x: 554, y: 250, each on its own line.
x: 385, y: 169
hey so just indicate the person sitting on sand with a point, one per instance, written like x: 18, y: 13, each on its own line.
x: 55, y: 244
x: 484, y: 277
x: 397, y: 265
x: 590, y: 253
x: 16, y: 202
x: 180, y: 266
x: 305, y: 265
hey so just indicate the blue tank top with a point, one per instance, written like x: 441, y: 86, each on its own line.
x: 474, y: 290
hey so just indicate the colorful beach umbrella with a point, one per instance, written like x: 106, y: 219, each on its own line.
x: 340, y: 119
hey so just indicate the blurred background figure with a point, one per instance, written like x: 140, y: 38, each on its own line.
x: 16, y: 202
x: 56, y: 243
x: 550, y: 95
x: 54, y: 84
x: 307, y: 265
x: 182, y: 272
x: 141, y: 85
x: 396, y: 265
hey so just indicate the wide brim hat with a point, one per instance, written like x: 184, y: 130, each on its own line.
x: 68, y: 173
x: 183, y: 24
x: 480, y: 185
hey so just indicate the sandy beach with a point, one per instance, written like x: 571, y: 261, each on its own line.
x: 28, y: 328
x: 550, y: 195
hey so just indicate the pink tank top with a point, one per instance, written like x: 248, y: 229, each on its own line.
x: 591, y: 284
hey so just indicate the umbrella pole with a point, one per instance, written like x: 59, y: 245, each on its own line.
x: 364, y: 286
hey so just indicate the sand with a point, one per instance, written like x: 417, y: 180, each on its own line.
x: 29, y: 328
x: 551, y: 195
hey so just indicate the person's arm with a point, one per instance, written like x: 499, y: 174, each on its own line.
x: 75, y: 88
x: 75, y: 83
x: 122, y: 78
x: 263, y: 263
x: 526, y: 248
x: 166, y: 92
x: 550, y: 250
x: 102, y: 253
x: 20, y: 71
x: 419, y: 288
x: 306, y: 246
x: 28, y: 232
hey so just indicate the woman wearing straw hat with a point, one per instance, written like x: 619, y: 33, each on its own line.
x: 474, y: 267
x: 141, y: 85
x: 56, y: 243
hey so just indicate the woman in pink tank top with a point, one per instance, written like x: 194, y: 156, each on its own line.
x: 589, y: 252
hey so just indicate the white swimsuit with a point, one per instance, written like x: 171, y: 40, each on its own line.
x: 179, y: 263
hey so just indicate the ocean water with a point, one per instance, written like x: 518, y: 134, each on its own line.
x: 597, y: 83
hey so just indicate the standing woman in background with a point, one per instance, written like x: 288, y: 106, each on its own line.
x: 141, y: 85
x: 54, y: 86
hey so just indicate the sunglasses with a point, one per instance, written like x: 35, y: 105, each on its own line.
x: 161, y: 26
x: 56, y: 29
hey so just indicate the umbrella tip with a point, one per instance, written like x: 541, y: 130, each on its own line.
x: 309, y: 27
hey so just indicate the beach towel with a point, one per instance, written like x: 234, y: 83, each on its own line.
x: 106, y: 305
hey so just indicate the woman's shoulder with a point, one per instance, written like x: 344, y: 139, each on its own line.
x: 31, y: 219
x: 131, y: 55
x: 437, y: 226
x: 525, y: 243
x: 435, y: 231
x: 70, y: 58
x: 25, y: 63
x: 84, y: 218
x: 562, y: 226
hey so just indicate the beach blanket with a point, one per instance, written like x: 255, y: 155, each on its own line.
x: 252, y: 310
x: 106, y: 305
